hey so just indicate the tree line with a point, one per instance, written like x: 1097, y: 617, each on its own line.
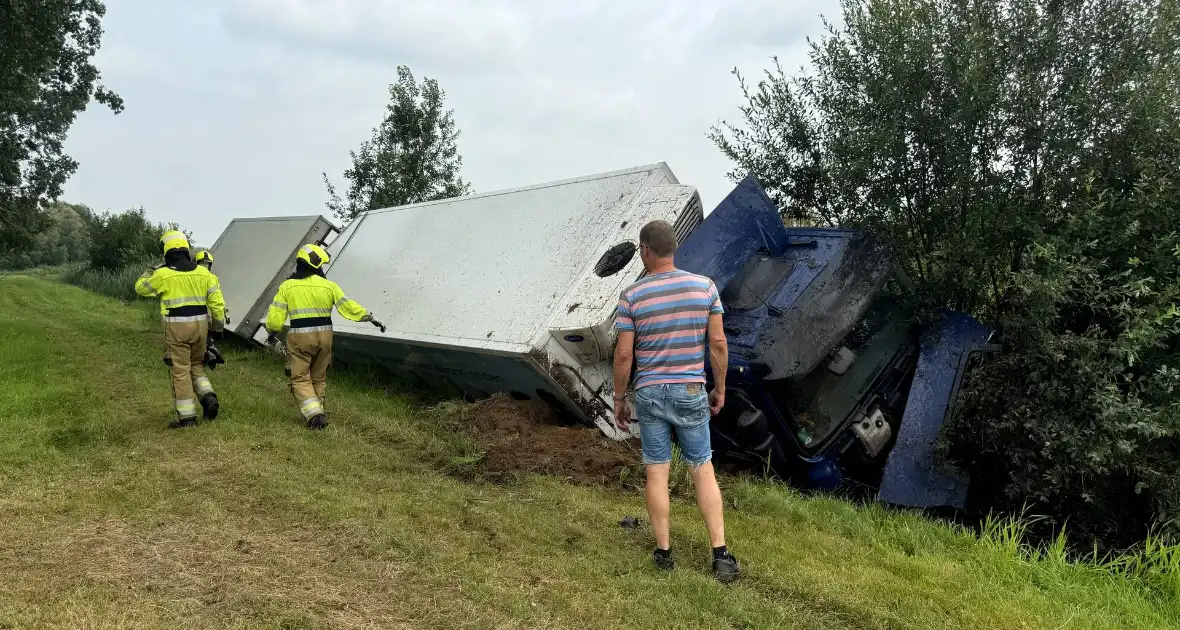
x: 1022, y: 157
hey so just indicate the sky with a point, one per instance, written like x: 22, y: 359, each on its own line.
x: 234, y: 108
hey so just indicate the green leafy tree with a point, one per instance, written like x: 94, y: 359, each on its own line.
x: 125, y: 239
x: 1023, y: 157
x: 412, y: 156
x: 46, y: 78
x: 64, y: 238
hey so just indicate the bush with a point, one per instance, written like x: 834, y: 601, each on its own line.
x: 120, y: 240
x: 1080, y: 415
x: 1023, y: 159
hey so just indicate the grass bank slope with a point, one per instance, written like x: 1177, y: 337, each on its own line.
x: 112, y: 521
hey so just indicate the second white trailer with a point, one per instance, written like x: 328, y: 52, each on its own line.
x: 253, y: 256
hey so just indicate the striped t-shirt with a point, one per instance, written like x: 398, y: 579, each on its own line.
x: 669, y: 313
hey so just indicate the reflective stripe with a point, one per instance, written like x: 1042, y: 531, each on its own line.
x: 202, y: 385
x: 186, y: 408
x: 278, y: 304
x: 342, y: 301
x: 309, y: 329
x: 174, y: 302
x: 312, y: 311
x: 149, y: 286
x: 311, y: 407
x: 213, y: 289
x: 182, y: 320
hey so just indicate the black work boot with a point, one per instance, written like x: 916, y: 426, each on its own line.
x: 182, y: 423
x: 662, y: 558
x: 210, y: 406
x: 725, y: 567
x: 318, y: 421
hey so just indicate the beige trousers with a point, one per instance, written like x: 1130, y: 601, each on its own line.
x: 308, y: 356
x: 184, y: 343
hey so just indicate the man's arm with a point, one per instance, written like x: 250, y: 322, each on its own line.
x: 144, y: 286
x: 216, y: 303
x: 624, y: 357
x: 718, y: 352
x: 349, y: 309
x: 277, y: 315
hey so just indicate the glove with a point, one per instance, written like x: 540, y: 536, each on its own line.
x: 372, y: 320
x: 272, y: 339
x: 212, y: 357
x: 216, y: 335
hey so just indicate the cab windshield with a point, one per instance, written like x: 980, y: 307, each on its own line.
x: 821, y: 401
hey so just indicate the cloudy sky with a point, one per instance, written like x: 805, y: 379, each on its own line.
x: 235, y: 107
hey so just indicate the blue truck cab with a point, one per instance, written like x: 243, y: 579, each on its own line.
x: 832, y: 383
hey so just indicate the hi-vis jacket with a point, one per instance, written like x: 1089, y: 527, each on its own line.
x: 185, y: 296
x: 309, y: 302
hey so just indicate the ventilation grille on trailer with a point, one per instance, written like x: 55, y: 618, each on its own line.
x: 689, y: 219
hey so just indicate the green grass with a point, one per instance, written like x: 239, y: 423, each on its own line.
x: 112, y: 521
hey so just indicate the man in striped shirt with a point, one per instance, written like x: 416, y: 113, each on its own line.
x: 663, y: 322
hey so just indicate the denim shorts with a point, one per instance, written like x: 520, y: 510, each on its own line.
x: 680, y: 407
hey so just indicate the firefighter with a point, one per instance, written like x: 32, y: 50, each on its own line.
x: 308, y: 297
x: 194, y: 312
x: 212, y: 355
x: 205, y: 259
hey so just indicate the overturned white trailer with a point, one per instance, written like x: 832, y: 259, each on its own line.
x: 510, y: 291
x: 253, y: 256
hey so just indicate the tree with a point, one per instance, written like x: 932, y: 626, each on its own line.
x: 46, y: 78
x: 1023, y: 158
x: 125, y: 239
x: 412, y: 156
x: 64, y: 238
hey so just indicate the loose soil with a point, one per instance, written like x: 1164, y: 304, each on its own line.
x: 525, y: 437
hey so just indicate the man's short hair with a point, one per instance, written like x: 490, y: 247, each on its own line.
x: 659, y: 237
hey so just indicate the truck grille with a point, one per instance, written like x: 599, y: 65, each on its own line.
x: 689, y: 218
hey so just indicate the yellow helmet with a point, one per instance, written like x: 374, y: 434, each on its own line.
x: 313, y: 255
x: 173, y: 239
x: 205, y: 257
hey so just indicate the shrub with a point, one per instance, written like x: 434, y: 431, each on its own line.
x: 1023, y: 159
x: 120, y: 240
x: 1080, y: 415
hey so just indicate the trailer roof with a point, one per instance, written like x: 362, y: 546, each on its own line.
x: 491, y: 269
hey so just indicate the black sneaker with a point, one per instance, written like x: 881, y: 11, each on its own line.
x: 317, y: 422
x: 182, y: 423
x: 663, y: 559
x: 725, y: 568
x: 210, y: 405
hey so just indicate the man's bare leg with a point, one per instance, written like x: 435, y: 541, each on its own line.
x: 704, y: 479
x: 659, y: 506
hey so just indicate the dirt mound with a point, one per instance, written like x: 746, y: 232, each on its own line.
x: 525, y: 437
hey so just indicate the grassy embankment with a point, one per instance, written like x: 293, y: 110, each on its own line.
x: 112, y: 521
